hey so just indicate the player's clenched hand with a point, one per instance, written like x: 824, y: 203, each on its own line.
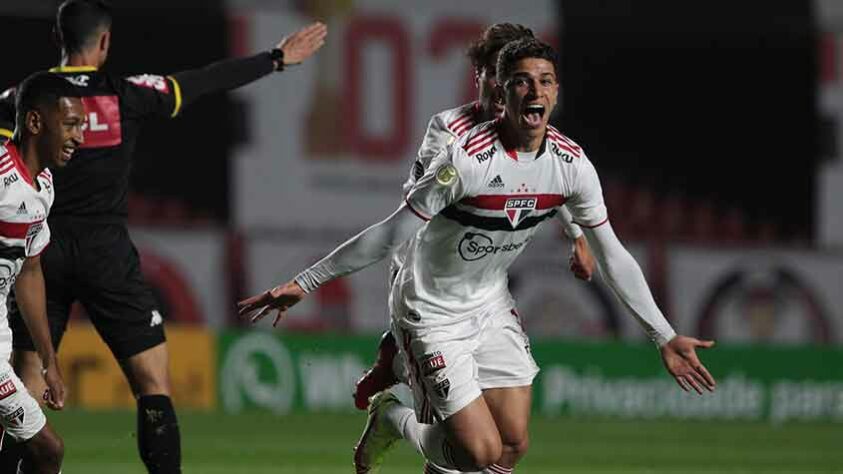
x: 581, y: 261
x: 680, y: 358
x: 54, y: 394
x: 303, y: 43
x: 280, y: 298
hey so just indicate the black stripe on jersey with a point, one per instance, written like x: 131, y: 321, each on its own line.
x: 11, y: 252
x: 493, y: 223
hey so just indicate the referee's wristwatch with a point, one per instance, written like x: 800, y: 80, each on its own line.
x: 277, y: 56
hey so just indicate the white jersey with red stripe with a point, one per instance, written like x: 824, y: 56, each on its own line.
x: 443, y: 130
x: 482, y: 206
x: 23, y: 226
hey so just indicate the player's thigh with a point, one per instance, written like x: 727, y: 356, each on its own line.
x: 147, y: 371
x: 20, y: 415
x: 46, y: 447
x: 116, y: 297
x: 474, y: 435
x: 510, y: 408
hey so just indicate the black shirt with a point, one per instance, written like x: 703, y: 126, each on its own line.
x: 95, y: 182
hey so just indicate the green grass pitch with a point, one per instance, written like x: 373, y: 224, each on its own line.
x: 258, y: 443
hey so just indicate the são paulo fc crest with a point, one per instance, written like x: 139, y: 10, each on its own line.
x: 517, y: 209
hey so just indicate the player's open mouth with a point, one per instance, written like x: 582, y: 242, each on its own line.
x: 533, y: 115
x: 67, y: 152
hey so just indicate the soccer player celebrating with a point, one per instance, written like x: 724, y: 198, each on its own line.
x: 94, y: 261
x: 444, y: 128
x: 451, y: 290
x: 50, y: 116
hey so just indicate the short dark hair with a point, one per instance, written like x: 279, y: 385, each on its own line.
x: 495, y: 37
x: 41, y: 90
x: 79, y: 21
x: 521, y: 49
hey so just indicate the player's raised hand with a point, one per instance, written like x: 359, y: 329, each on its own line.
x: 680, y: 358
x: 54, y: 394
x: 581, y: 261
x: 280, y: 298
x: 303, y: 43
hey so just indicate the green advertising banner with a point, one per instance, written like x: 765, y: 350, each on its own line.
x: 283, y: 372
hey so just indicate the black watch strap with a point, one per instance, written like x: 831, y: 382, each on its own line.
x: 277, y: 56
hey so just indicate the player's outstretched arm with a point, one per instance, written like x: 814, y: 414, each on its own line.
x: 368, y: 247
x: 233, y: 73
x: 31, y: 299
x: 624, y: 276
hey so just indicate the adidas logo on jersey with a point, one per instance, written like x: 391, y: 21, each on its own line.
x: 22, y: 208
x: 497, y: 182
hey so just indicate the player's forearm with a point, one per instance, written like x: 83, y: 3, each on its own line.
x: 31, y: 300
x: 622, y: 273
x: 364, y: 249
x: 223, y: 75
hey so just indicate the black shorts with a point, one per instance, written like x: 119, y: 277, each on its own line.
x: 97, y: 265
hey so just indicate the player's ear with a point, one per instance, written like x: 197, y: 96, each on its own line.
x: 34, y: 122
x: 105, y: 40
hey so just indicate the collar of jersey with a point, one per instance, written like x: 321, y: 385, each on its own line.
x: 73, y: 69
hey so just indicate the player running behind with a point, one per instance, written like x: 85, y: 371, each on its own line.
x: 92, y: 259
x: 443, y: 129
x: 49, y: 121
x: 453, y: 284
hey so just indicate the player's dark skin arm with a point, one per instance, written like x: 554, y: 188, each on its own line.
x: 31, y: 299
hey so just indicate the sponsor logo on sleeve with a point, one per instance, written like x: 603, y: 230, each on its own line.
x: 151, y: 81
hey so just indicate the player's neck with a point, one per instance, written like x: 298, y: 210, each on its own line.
x: 29, y: 158
x: 81, y: 59
x: 523, y: 139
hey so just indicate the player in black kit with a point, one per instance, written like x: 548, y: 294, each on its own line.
x: 92, y: 259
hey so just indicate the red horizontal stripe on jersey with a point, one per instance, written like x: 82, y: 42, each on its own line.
x: 559, y: 137
x: 480, y: 137
x: 459, y: 121
x: 463, y: 128
x: 6, y: 167
x: 14, y: 230
x: 479, y: 146
x: 497, y: 202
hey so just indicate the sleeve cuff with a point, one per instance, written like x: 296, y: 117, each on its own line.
x: 663, y: 338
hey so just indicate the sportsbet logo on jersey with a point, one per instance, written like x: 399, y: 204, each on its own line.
x: 475, y: 246
x: 517, y: 209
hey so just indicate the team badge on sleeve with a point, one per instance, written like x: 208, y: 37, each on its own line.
x: 518, y: 208
x: 150, y: 81
x: 446, y: 175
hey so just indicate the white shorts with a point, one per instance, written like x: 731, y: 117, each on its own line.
x: 20, y: 415
x: 451, y: 365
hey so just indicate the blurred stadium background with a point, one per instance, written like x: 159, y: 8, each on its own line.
x: 714, y: 125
